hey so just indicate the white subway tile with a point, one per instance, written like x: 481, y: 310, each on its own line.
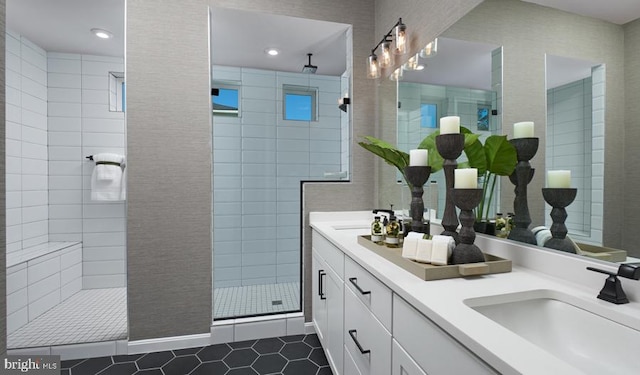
x: 16, y: 278
x: 17, y: 301
x: 103, y: 210
x: 65, y: 139
x: 103, y: 139
x: 14, y: 199
x: 65, y: 225
x: 13, y: 147
x: 72, y: 287
x: 95, y: 96
x: 13, y: 62
x: 33, y: 104
x: 105, y: 239
x: 100, y: 125
x: 110, y: 267
x: 65, y: 124
x: 104, y: 281
x: 56, y: 65
x: 46, y: 302
x: 33, y: 120
x: 36, y: 183
x: 64, y: 80
x: 106, y: 59
x: 34, y: 167
x: 34, y: 88
x: 105, y: 225
x: 98, y: 253
x: 34, y: 73
x: 35, y: 231
x: 13, y: 165
x: 100, y: 111
x: 90, y: 67
x: 13, y: 79
x: 64, y: 95
x: 65, y: 109
x: 100, y: 82
x: 63, y: 197
x: 35, y: 214
x: 14, y: 216
x: 58, y: 153
x: 34, y: 151
x: 13, y: 96
x: 17, y: 320
x: 12, y: 43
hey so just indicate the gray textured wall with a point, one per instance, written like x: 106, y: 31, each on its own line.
x: 3, y: 227
x: 631, y: 212
x: 169, y: 168
x: 528, y: 32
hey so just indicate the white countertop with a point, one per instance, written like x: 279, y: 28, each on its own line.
x: 442, y: 301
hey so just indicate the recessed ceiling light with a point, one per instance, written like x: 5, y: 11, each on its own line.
x: 102, y: 34
x: 272, y: 51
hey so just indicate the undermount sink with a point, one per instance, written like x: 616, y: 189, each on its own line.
x: 586, y: 335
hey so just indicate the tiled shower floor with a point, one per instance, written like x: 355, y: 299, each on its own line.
x: 88, y: 316
x: 95, y: 315
x: 255, y: 300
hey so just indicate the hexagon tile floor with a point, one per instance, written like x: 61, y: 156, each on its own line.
x: 288, y: 355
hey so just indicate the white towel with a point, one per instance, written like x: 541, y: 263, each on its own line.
x: 423, y: 251
x: 107, y: 177
x: 442, y: 248
x: 410, y: 245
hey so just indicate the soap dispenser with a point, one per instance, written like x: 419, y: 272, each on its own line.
x: 392, y: 237
x: 377, y: 231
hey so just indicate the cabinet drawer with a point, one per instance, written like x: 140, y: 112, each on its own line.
x: 329, y: 252
x: 366, y: 340
x: 402, y: 363
x: 432, y: 348
x: 350, y: 367
x: 373, y: 293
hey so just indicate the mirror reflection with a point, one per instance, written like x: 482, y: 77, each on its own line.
x: 276, y: 122
x: 462, y: 79
x: 550, y: 37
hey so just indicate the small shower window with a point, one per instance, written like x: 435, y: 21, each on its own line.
x: 300, y: 103
x: 225, y: 100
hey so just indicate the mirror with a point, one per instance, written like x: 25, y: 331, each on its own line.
x: 529, y: 33
x: 276, y: 122
x: 463, y: 79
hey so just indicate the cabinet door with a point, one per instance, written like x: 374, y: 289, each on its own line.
x: 319, y: 300
x: 402, y: 364
x: 366, y: 339
x: 350, y: 367
x: 334, y: 288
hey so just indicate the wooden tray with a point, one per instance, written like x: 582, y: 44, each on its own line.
x: 603, y: 253
x: 425, y: 271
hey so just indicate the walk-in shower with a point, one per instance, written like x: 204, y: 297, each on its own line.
x: 273, y: 127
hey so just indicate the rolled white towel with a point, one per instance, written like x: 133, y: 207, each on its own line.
x: 423, y: 254
x: 442, y: 248
x: 410, y: 246
x: 107, y: 177
x: 108, y: 166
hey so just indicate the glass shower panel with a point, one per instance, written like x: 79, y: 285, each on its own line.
x: 259, y: 160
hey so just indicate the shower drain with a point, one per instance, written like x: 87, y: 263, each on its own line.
x: 276, y: 302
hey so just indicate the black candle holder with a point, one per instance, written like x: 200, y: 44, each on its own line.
x: 450, y: 147
x: 417, y: 176
x: 466, y: 251
x: 526, y: 149
x: 559, y: 199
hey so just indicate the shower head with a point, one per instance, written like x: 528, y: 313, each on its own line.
x: 309, y: 69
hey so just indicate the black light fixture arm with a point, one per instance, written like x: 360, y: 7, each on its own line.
x: 387, y: 37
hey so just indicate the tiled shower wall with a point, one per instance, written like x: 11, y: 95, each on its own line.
x: 26, y: 144
x: 57, y: 113
x: 80, y: 124
x: 259, y: 160
x: 575, y: 141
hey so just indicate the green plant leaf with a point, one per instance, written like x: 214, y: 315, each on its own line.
x: 500, y: 154
x: 476, y: 156
x: 387, y: 152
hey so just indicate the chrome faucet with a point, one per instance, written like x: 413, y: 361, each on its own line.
x: 612, y: 290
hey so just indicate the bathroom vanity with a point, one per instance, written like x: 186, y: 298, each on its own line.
x: 374, y: 317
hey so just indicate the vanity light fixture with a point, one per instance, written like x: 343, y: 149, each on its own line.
x: 430, y: 50
x: 397, y: 74
x: 413, y: 63
x: 399, y: 30
x: 102, y: 34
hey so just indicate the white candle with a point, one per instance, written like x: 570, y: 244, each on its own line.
x: 523, y: 129
x: 418, y: 158
x: 466, y: 178
x: 450, y: 125
x: 559, y: 179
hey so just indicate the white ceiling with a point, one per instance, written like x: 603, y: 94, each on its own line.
x: 239, y: 38
x: 615, y: 11
x: 65, y: 25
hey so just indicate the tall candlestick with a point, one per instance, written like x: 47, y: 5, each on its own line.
x: 450, y: 125
x: 466, y: 178
x: 523, y: 129
x: 559, y: 179
x: 418, y: 158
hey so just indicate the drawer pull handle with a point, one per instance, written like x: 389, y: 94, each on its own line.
x: 354, y: 282
x: 352, y: 333
x: 321, y: 273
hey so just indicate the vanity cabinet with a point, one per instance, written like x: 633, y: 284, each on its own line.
x: 367, y: 329
x: 328, y: 299
x: 432, y: 348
